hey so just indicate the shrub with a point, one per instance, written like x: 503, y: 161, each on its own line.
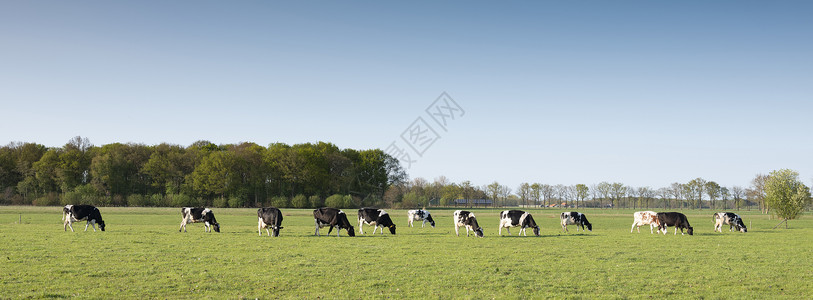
x: 300, y: 201
x: 221, y: 202
x: 237, y: 202
x: 316, y: 201
x: 158, y: 200
x: 180, y: 200
x: 50, y: 199
x: 335, y: 200
x: 138, y: 200
x: 279, y: 202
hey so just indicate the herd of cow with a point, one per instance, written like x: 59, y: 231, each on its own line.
x: 271, y: 217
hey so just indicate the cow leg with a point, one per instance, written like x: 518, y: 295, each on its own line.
x: 564, y: 227
x: 633, y: 227
x: 456, y: 230
x: 86, y: 225
x: 317, y: 228
x: 70, y: 223
x: 467, y: 231
x: 361, y: 228
x: 329, y: 230
x: 93, y: 224
x: 522, y: 230
x: 423, y: 223
x: 338, y: 231
x: 183, y: 225
x: 650, y: 229
x: 260, y: 226
x: 500, y: 231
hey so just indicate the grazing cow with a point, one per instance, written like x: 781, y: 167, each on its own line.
x: 468, y: 220
x: 732, y: 219
x: 517, y: 218
x: 575, y: 218
x: 645, y: 218
x: 196, y: 215
x: 676, y: 219
x: 376, y: 218
x: 78, y: 213
x: 269, y: 217
x: 420, y: 215
x: 333, y: 217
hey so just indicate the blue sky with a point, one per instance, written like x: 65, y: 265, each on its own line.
x: 641, y: 92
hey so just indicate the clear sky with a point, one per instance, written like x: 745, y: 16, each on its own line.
x: 641, y: 92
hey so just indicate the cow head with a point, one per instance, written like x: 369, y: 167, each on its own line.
x: 589, y: 226
x: 690, y: 230
x: 392, y: 228
x: 536, y: 231
x: 351, y: 231
x: 216, y: 227
x: 275, y: 231
x: 101, y: 224
x: 741, y: 226
x: 431, y: 221
x: 478, y: 232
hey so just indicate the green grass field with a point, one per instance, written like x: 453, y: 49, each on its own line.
x: 142, y: 255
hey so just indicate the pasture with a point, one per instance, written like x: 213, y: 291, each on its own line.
x: 142, y: 255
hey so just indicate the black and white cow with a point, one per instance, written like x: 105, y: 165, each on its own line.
x: 517, y: 218
x: 575, y: 218
x: 269, y: 217
x: 196, y: 215
x: 679, y: 220
x: 78, y: 213
x: 332, y: 217
x: 466, y: 219
x: 732, y: 219
x: 420, y: 215
x: 376, y: 218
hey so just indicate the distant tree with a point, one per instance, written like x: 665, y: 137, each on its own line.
x: 785, y: 194
x: 618, y: 190
x: 713, y: 191
x: 663, y: 193
x: 605, y: 189
x: 676, y: 189
x: 524, y: 192
x: 547, y: 193
x: 505, y: 192
x: 737, y: 192
x: 758, y: 191
x: 725, y: 194
x: 582, y: 192
x: 536, y: 193
x: 643, y: 193
x: 493, y: 191
x: 694, y: 192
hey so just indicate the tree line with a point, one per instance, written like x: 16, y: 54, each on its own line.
x: 202, y: 174
x: 697, y: 193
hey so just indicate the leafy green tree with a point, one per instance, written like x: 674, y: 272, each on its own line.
x: 785, y: 194
x: 215, y: 175
x: 166, y: 168
x: 524, y: 192
x: 582, y: 192
x: 694, y: 192
x: 714, y: 191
